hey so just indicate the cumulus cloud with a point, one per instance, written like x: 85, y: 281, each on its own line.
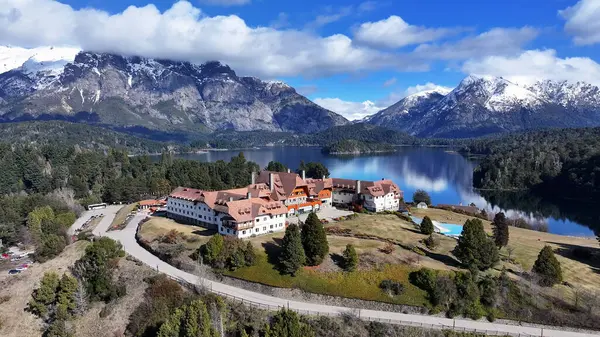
x: 225, y: 2
x: 583, y: 21
x: 183, y: 32
x: 497, y: 41
x: 534, y: 65
x: 394, y: 32
x: 348, y: 109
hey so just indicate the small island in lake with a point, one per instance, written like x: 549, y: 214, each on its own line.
x: 351, y: 146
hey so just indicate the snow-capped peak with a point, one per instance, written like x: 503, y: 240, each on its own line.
x: 496, y: 93
x: 33, y: 60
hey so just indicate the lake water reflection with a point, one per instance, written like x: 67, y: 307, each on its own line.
x: 446, y: 175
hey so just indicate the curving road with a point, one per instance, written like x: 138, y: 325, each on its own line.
x: 127, y: 239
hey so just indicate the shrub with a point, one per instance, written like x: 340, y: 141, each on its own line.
x: 350, y: 258
x: 424, y: 278
x: 389, y: 248
x: 227, y: 252
x: 548, y: 268
x: 431, y: 242
x: 392, y: 287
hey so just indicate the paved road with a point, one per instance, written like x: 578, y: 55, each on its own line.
x: 127, y: 239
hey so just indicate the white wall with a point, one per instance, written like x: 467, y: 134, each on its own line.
x: 342, y: 197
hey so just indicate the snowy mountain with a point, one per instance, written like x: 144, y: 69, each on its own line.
x: 160, y: 95
x: 482, y: 105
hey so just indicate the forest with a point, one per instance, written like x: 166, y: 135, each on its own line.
x: 350, y: 146
x: 560, y: 162
x: 46, y: 182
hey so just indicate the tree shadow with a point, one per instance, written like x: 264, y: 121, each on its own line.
x: 205, y: 232
x: 337, y: 259
x: 581, y: 254
x: 445, y: 259
x: 273, y: 250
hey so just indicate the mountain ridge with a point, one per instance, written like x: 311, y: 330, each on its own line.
x: 482, y: 105
x: 157, y: 94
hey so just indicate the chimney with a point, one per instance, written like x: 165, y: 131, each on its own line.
x: 289, y: 171
x: 303, y: 175
x: 249, y: 195
x: 323, y: 178
x: 271, y: 181
x: 253, y: 178
x: 357, y: 186
x: 230, y: 198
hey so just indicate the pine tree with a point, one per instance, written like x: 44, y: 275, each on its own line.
x: 190, y: 320
x: 474, y: 249
x: 427, y: 226
x: 44, y: 296
x: 314, y: 240
x: 65, y: 302
x: 286, y: 323
x: 350, y: 258
x: 548, y: 268
x: 500, y: 228
x: 212, y: 249
x: 292, y: 255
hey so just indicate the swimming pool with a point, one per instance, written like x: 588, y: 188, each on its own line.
x: 448, y: 229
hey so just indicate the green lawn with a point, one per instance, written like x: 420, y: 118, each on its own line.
x: 360, y: 284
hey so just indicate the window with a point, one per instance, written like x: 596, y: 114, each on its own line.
x: 271, y: 227
x: 257, y: 220
x: 265, y: 228
x: 244, y: 232
x: 256, y: 230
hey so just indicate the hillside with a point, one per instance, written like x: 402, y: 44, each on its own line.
x: 85, y: 136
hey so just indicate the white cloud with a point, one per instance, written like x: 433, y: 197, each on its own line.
x: 426, y: 87
x: 583, y: 21
x: 394, y: 32
x: 395, y: 96
x: 390, y: 82
x: 225, y: 2
x: 533, y: 65
x: 282, y: 21
x: 497, y: 41
x: 325, y: 19
x: 348, y: 109
x: 183, y: 32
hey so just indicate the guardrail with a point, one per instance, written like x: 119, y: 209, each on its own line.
x: 355, y: 312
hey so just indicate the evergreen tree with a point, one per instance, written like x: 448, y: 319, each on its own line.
x: 474, y: 249
x: 276, y: 166
x: 58, y: 328
x: 249, y: 254
x: 188, y: 321
x: 314, y: 240
x: 212, y: 249
x: 65, y: 302
x: 500, y: 228
x: 548, y: 268
x: 350, y: 258
x: 286, y: 323
x: 292, y: 255
x: 427, y: 227
x: 44, y: 296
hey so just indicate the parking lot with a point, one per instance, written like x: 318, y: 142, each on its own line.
x: 327, y: 213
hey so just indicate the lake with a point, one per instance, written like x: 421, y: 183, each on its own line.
x: 446, y: 175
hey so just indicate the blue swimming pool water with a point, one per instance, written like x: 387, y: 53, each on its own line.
x: 445, y: 228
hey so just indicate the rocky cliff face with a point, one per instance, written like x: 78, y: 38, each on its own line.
x: 156, y: 94
x: 482, y: 105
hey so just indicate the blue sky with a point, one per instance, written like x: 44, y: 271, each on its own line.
x: 353, y: 57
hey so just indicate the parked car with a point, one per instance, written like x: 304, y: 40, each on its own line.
x: 14, y: 272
